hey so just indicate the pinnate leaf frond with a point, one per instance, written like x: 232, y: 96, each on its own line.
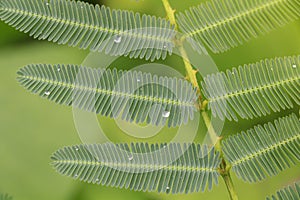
x: 173, y: 168
x: 98, y: 28
x: 223, y: 24
x: 254, y: 90
x: 287, y: 193
x: 133, y: 96
x: 264, y: 150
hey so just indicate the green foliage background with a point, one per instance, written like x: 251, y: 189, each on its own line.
x: 31, y: 129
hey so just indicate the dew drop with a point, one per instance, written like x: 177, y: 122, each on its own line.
x: 97, y: 180
x: 165, y: 146
x: 118, y: 39
x: 47, y: 93
x: 167, y: 187
x: 58, y: 69
x: 138, y: 80
x: 130, y: 158
x: 166, y: 114
x: 294, y: 66
x: 77, y: 149
x: 47, y: 4
x: 76, y: 175
x: 271, y: 69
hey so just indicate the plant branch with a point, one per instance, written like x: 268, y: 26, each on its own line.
x: 191, y: 75
x: 211, y: 131
x: 191, y: 72
x: 224, y: 167
x: 170, y: 12
x: 230, y: 187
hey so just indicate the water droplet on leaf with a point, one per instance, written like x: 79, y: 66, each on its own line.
x: 294, y: 66
x: 166, y: 114
x: 47, y: 93
x: 130, y: 158
x: 118, y: 39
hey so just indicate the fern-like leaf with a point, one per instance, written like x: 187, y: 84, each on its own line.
x: 287, y: 193
x: 264, y: 150
x: 98, y: 28
x: 164, y: 168
x: 223, y: 24
x: 254, y: 90
x: 135, y: 96
x: 5, y: 197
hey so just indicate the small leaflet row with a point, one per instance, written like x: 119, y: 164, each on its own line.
x: 98, y: 28
x: 264, y: 150
x: 224, y: 24
x: 173, y: 168
x: 287, y: 193
x: 131, y: 95
x: 254, y: 90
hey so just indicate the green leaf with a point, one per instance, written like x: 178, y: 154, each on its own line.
x: 287, y: 193
x: 98, y: 28
x: 175, y: 168
x: 254, y: 90
x: 224, y: 24
x: 134, y: 96
x: 264, y: 150
x: 5, y: 197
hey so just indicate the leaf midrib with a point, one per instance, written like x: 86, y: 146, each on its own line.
x: 147, y: 167
x: 254, y: 90
x: 84, y: 25
x: 110, y: 92
x: 265, y: 150
x: 232, y: 18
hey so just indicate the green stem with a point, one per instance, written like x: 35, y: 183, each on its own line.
x: 170, y: 12
x: 224, y: 167
x: 191, y: 75
x: 230, y: 187
x: 191, y: 72
x: 211, y: 131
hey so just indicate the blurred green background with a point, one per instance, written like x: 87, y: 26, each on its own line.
x: 31, y: 128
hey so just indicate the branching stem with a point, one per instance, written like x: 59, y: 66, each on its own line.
x: 230, y: 187
x: 191, y: 75
x: 191, y: 72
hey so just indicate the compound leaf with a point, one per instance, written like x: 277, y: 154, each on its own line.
x: 254, y: 90
x: 98, y: 28
x: 133, y: 96
x: 264, y: 150
x: 173, y: 168
x: 223, y: 24
x: 287, y: 193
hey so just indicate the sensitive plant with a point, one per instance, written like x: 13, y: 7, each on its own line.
x: 245, y: 92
